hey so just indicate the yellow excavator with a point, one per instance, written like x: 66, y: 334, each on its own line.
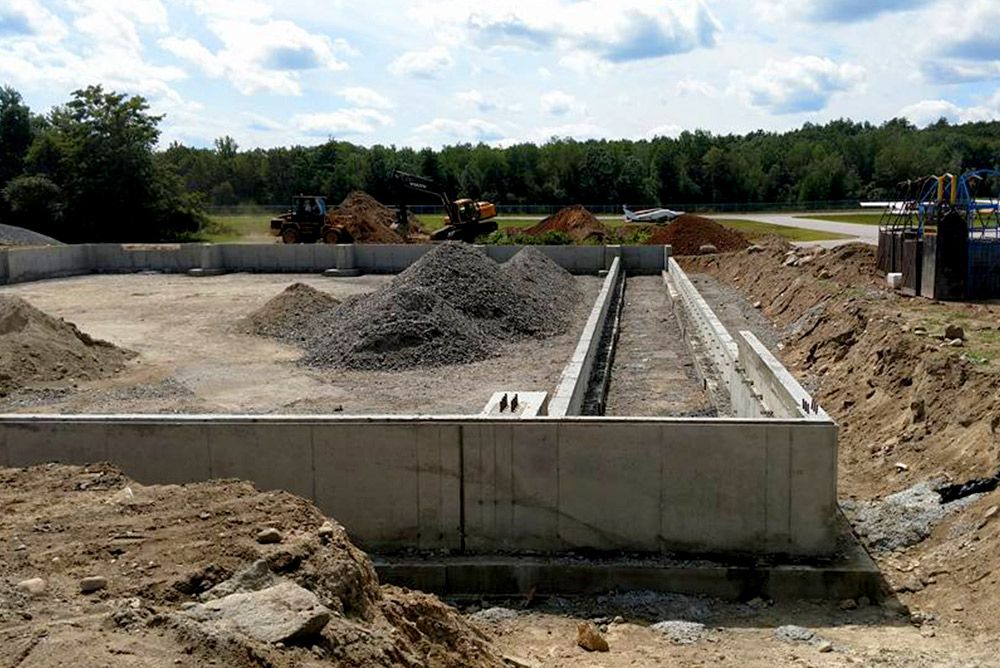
x: 467, y: 219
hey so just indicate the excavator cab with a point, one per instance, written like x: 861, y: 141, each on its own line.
x: 467, y: 218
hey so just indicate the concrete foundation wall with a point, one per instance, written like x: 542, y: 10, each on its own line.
x: 482, y: 485
x: 781, y: 395
x: 572, y: 388
x: 18, y: 265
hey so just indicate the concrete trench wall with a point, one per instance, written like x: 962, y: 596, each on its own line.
x: 19, y: 265
x: 467, y: 484
x: 572, y: 389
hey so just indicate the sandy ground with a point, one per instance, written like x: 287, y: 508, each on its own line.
x: 191, y: 359
x: 653, y: 373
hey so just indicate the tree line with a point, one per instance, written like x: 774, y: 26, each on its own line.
x: 90, y: 169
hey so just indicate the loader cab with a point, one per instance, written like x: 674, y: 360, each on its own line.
x: 308, y: 208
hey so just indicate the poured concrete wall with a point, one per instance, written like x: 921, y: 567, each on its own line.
x: 18, y: 265
x: 575, y: 379
x: 650, y: 485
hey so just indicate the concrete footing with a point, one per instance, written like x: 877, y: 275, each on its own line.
x: 850, y: 576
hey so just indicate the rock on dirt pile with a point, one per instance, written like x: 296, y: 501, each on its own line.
x: 575, y: 221
x: 200, y: 599
x: 687, y: 234
x: 292, y: 315
x: 368, y: 221
x: 454, y: 305
x: 37, y: 348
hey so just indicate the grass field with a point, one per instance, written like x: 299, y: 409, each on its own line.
x: 753, y: 229
x: 254, y: 227
x: 856, y: 218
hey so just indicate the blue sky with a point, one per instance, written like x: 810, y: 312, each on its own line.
x: 428, y: 73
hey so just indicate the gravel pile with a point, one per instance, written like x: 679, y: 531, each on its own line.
x: 549, y: 290
x: 294, y: 316
x: 399, y: 328
x: 904, y: 518
x: 453, y: 306
x: 11, y: 235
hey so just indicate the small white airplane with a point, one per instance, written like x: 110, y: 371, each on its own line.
x: 650, y: 215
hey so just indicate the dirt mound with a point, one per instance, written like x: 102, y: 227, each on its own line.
x: 369, y: 221
x: 163, y: 548
x: 688, y: 233
x: 912, y: 405
x: 290, y: 316
x: 454, y: 305
x: 37, y: 348
x: 575, y: 221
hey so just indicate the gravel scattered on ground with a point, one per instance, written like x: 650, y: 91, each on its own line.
x: 904, y: 518
x: 681, y: 632
x: 493, y: 615
x: 11, y: 235
x: 794, y: 634
x: 453, y: 306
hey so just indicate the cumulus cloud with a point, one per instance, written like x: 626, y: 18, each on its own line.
x: 473, y: 129
x: 797, y: 85
x: 360, y: 96
x: 558, y: 103
x: 427, y: 64
x: 29, y: 18
x: 695, y: 87
x: 257, y: 55
x: 842, y: 11
x: 622, y: 32
x: 925, y: 112
x: 341, y: 122
x: 667, y: 130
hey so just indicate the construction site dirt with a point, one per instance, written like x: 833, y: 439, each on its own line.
x: 194, y: 355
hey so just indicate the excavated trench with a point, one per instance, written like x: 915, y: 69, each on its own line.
x: 646, y: 366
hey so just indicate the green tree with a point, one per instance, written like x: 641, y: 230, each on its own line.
x: 99, y: 149
x: 34, y: 202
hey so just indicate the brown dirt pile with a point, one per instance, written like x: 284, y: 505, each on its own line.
x: 36, y: 348
x: 290, y: 316
x: 575, y: 221
x: 370, y: 221
x: 161, y: 547
x: 688, y: 233
x: 912, y: 406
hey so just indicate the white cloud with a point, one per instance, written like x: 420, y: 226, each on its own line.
x: 341, y: 122
x: 622, y: 32
x: 668, y: 130
x: 473, y: 129
x: 426, y: 64
x: 695, y: 87
x: 477, y: 99
x: 797, y: 85
x: 558, y: 103
x: 839, y: 11
x: 359, y: 96
x: 258, y: 53
x: 29, y: 19
x: 925, y: 112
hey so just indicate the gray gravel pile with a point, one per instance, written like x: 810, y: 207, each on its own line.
x: 11, y: 235
x: 904, y: 518
x: 453, y: 306
x: 401, y: 327
x: 296, y: 315
x: 481, y: 289
x: 548, y: 290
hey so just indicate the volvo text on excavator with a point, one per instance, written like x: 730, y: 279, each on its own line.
x: 467, y: 219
